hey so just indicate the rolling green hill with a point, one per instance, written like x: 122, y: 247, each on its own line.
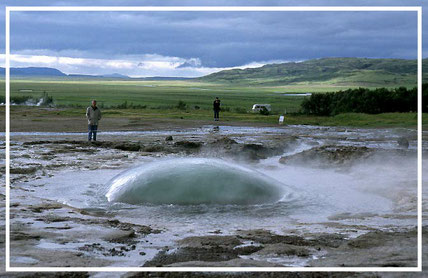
x: 327, y: 71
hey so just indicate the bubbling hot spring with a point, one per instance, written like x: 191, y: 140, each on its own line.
x: 194, y: 181
x: 182, y: 195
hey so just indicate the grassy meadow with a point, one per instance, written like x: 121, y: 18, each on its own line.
x: 166, y: 94
x: 141, y: 100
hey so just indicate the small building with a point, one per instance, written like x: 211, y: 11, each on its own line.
x: 259, y: 107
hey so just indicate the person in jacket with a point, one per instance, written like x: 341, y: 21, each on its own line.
x: 93, y: 114
x: 216, y: 107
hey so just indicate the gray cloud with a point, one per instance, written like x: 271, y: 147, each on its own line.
x: 216, y: 39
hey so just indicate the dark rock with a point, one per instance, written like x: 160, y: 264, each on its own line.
x: 51, y: 218
x: 94, y: 212
x: 42, y: 207
x: 282, y: 249
x: 59, y: 228
x: 169, y: 138
x: 247, y: 250
x: 128, y: 147
x: 263, y: 151
x: 24, y: 170
x: 188, y: 144
x: 328, y: 240
x: 141, y: 229
x: 375, y: 248
x: 119, y: 236
x: 17, y: 235
x: 36, y: 143
x: 186, y: 254
x: 201, y: 248
x: 113, y: 252
x: 209, y: 241
x: 377, y: 238
x: 225, y: 142
x: 254, y: 151
x: 328, y: 155
x: 154, y: 148
x: 102, y: 144
x: 91, y: 247
x: 124, y: 146
x: 403, y: 143
x: 394, y: 264
x: 267, y: 237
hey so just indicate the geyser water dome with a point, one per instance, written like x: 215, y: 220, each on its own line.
x: 187, y: 181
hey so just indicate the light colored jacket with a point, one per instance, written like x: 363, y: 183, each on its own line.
x: 93, y: 115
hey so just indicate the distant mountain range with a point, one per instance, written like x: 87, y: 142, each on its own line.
x: 43, y: 71
x: 34, y: 71
x: 325, y: 71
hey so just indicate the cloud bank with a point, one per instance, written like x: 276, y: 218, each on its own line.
x: 142, y: 66
x: 197, y: 43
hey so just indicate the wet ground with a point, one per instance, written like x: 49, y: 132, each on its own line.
x: 356, y: 205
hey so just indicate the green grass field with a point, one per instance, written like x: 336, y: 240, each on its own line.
x: 155, y: 95
x: 160, y: 98
x: 165, y: 94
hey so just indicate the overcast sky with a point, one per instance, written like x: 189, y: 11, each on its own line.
x: 197, y: 43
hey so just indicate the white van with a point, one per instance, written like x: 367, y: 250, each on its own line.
x: 259, y: 107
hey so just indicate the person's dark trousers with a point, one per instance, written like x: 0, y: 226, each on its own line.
x: 216, y: 115
x: 92, y: 132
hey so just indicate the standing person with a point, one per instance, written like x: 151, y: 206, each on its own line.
x: 93, y: 114
x: 216, y: 106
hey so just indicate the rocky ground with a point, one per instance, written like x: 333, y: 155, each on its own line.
x: 49, y: 233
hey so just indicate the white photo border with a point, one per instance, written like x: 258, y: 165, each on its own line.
x: 417, y: 9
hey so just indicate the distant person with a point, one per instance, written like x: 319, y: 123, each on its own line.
x: 216, y: 106
x: 93, y: 114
